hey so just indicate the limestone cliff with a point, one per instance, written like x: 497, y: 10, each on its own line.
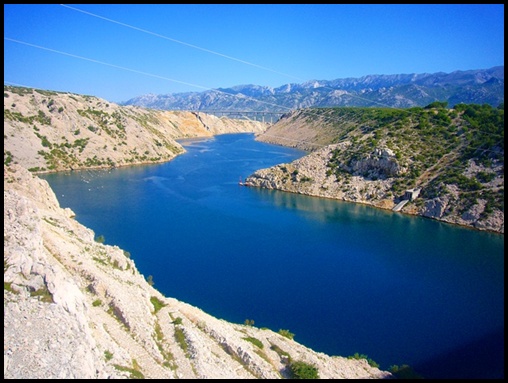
x: 77, y: 308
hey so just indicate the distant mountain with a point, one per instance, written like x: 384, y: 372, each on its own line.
x: 482, y: 86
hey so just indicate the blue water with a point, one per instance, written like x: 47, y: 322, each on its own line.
x: 343, y: 277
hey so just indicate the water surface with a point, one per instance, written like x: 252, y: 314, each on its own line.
x: 343, y: 277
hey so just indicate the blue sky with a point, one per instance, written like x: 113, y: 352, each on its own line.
x: 118, y: 52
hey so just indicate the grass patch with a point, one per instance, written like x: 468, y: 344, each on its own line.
x: 8, y: 287
x: 157, y: 304
x: 255, y: 341
x: 180, y: 339
x: 101, y: 261
x: 169, y: 359
x: 135, y: 373
x: 43, y: 294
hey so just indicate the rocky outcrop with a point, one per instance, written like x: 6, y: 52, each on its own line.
x: 77, y: 308
x: 310, y: 175
x: 379, y: 164
x: 369, y: 181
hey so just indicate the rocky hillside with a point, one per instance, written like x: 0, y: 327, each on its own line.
x: 77, y: 308
x: 452, y: 159
x: 49, y: 131
x: 481, y: 86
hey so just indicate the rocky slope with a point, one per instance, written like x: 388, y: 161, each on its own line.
x: 50, y: 131
x: 77, y: 308
x: 382, y: 153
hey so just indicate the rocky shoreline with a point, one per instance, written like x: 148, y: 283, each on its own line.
x: 310, y: 176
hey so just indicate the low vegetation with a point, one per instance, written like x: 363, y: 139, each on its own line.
x: 286, y: 333
x: 43, y: 294
x: 363, y: 356
x: 157, y: 304
x: 134, y: 371
x: 437, y: 149
x: 302, y: 370
x: 182, y: 342
x: 254, y: 341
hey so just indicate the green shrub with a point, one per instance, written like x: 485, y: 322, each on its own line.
x: 286, y: 333
x: 157, y: 304
x: 302, y: 370
x: 485, y: 177
x: 45, y: 142
x: 7, y: 157
x: 96, y: 303
x: 177, y: 321
x: 363, y: 356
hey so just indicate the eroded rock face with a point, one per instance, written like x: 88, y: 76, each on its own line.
x: 75, y: 308
x: 435, y: 208
x: 380, y: 164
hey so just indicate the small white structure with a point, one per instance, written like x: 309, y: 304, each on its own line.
x: 412, y: 194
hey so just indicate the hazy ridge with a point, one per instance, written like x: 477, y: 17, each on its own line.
x: 398, y: 91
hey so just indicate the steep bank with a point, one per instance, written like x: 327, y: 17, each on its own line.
x: 447, y: 163
x: 76, y: 308
x: 48, y: 131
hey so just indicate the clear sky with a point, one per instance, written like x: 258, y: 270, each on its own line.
x: 118, y: 52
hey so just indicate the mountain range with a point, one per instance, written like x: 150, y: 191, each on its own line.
x: 481, y: 86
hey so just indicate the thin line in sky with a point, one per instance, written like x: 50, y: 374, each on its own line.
x: 140, y: 72
x: 104, y: 63
x: 181, y: 42
x: 164, y: 78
